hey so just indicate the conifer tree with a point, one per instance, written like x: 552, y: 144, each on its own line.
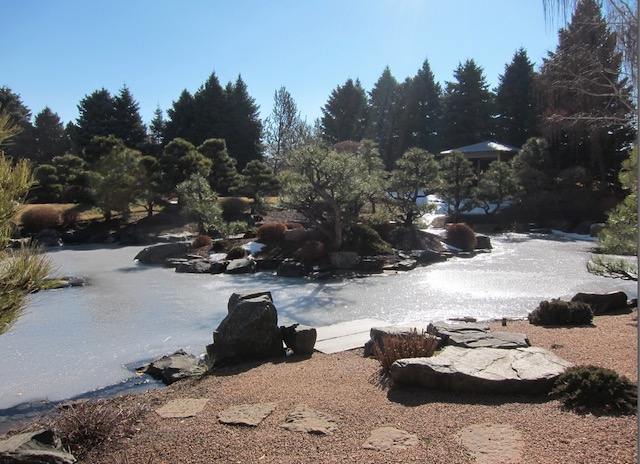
x: 344, y: 115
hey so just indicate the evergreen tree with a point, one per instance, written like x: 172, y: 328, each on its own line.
x: 127, y: 123
x: 96, y: 116
x: 258, y: 181
x: 422, y: 112
x: 74, y: 176
x: 243, y: 128
x: 49, y: 138
x: 586, y: 102
x: 224, y: 176
x: 156, y: 132
x: 414, y: 178
x: 182, y: 118
x: 344, y: 115
x: 48, y: 188
x: 178, y: 162
x: 196, y: 197
x: 516, y: 108
x: 467, y: 107
x: 456, y: 182
x: 383, y: 100
x: 284, y: 128
x: 209, y: 112
x: 497, y: 185
x: 19, y: 116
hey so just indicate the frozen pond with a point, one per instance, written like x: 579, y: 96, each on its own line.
x: 75, y: 340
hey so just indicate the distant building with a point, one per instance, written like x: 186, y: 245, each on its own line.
x: 483, y: 153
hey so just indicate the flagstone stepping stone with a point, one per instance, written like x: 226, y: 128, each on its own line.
x: 304, y: 419
x: 493, y: 443
x: 182, y: 407
x: 390, y: 438
x: 246, y: 414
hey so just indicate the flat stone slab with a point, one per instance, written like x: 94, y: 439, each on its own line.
x: 345, y: 335
x: 503, y: 340
x: 389, y: 439
x: 246, y: 414
x: 304, y: 419
x: 493, y: 443
x: 182, y: 407
x: 446, y: 329
x: 530, y: 370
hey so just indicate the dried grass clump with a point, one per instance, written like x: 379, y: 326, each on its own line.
x: 311, y: 252
x: 411, y: 345
x: 201, y: 241
x: 461, y: 236
x: 85, y: 425
x: 271, y: 232
x: 40, y: 217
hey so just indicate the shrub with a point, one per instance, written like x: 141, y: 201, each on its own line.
x: 461, y: 236
x: 596, y: 389
x: 40, y: 217
x: 293, y: 225
x: 236, y: 227
x: 412, y: 345
x: 201, y: 241
x: 234, y: 206
x: 365, y: 241
x: 271, y: 232
x: 83, y: 426
x: 236, y: 252
x: 70, y: 218
x: 559, y: 312
x: 218, y: 246
x: 311, y: 252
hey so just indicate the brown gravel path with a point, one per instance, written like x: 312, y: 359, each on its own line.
x: 347, y: 387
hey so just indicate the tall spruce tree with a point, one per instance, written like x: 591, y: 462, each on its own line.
x: 344, y: 116
x: 182, y: 117
x: 19, y: 116
x: 155, y: 137
x: 586, y: 101
x: 467, y: 107
x: 383, y: 100
x: 209, y: 112
x: 243, y: 128
x: 127, y: 123
x: 96, y: 114
x: 48, y: 137
x: 516, y: 110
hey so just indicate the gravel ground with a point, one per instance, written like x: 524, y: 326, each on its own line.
x: 349, y: 388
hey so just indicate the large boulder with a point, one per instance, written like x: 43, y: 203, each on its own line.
x: 158, y: 254
x: 174, y: 367
x: 38, y: 447
x: 344, y: 259
x: 603, y: 303
x: 300, y: 338
x: 241, y: 266
x: 291, y: 268
x: 249, y: 331
x: 194, y: 266
x: 530, y: 370
x: 473, y: 335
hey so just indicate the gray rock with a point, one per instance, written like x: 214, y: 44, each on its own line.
x: 304, y: 419
x: 174, y: 367
x: 39, y: 447
x: 425, y: 257
x: 133, y: 236
x: 158, y: 254
x: 194, y: 266
x: 300, y: 338
x: 246, y: 414
x: 389, y: 439
x: 529, y: 370
x: 596, y: 228
x: 237, y: 297
x: 249, y: 331
x: 483, y: 242
x: 344, y: 259
x: 603, y: 303
x: 241, y: 266
x: 182, y: 408
x: 504, y: 340
x: 291, y: 268
x: 48, y: 238
x: 218, y: 267
x: 445, y: 329
x: 402, y: 265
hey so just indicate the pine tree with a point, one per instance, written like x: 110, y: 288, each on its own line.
x: 383, y: 100
x: 224, y: 176
x: 182, y: 117
x: 178, y: 162
x: 127, y: 123
x: 516, y: 101
x: 467, y: 107
x: 11, y: 105
x: 96, y: 116
x: 456, y: 182
x: 209, y: 112
x: 48, y: 137
x: 344, y: 115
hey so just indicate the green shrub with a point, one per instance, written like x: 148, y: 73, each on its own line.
x: 596, y: 389
x: 311, y: 252
x: 365, y: 241
x: 559, y: 312
x: 236, y: 252
x: 461, y: 236
x: 236, y: 227
x: 271, y: 232
x: 218, y: 246
x: 412, y: 345
x: 201, y: 241
x: 234, y: 206
x: 40, y: 217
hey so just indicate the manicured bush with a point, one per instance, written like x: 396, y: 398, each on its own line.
x: 236, y: 227
x: 234, y: 206
x: 311, y: 252
x: 461, y: 236
x: 365, y: 241
x: 236, y: 252
x: 40, y: 217
x: 559, y: 312
x: 271, y: 232
x: 596, y: 389
x: 70, y: 218
x: 218, y: 246
x: 201, y: 241
x: 293, y: 225
x: 412, y: 345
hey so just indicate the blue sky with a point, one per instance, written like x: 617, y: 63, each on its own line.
x: 56, y: 52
